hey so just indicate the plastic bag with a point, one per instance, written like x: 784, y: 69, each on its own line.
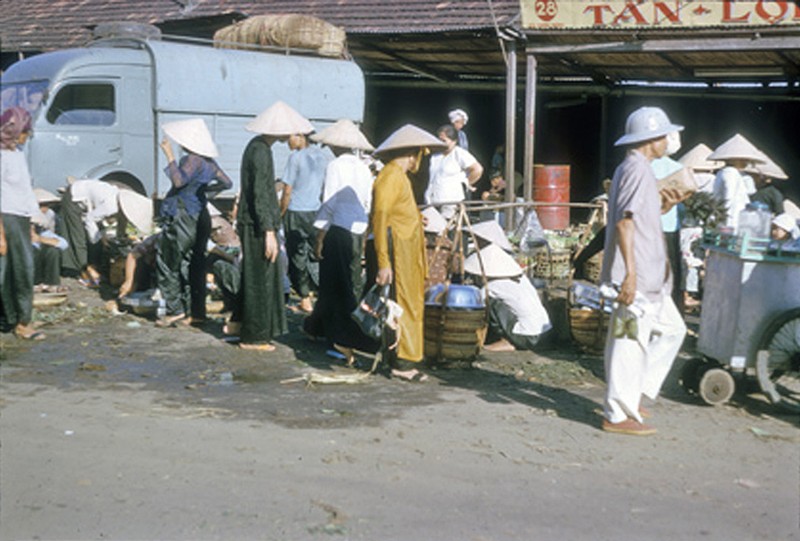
x: 530, y: 233
x: 370, y: 314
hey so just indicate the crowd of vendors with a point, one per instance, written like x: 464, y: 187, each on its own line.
x: 345, y: 222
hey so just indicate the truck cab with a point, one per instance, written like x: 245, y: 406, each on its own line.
x: 98, y: 110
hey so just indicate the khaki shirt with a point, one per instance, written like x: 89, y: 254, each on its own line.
x: 634, y: 193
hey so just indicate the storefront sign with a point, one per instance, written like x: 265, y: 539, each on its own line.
x: 620, y: 14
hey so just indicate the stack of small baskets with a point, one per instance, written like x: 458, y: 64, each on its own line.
x: 552, y: 264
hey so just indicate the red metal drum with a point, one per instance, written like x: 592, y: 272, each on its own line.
x: 551, y: 185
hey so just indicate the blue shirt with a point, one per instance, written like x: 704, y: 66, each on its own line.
x: 662, y: 168
x: 305, y: 173
x: 191, y: 180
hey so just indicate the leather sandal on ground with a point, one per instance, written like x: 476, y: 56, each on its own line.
x: 31, y: 335
x: 631, y: 427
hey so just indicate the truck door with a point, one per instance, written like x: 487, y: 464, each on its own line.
x: 79, y: 134
x: 96, y: 128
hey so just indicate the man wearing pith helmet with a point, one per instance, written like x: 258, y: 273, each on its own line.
x: 646, y: 330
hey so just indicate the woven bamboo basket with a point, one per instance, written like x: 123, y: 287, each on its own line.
x: 589, y: 328
x: 454, y: 334
x: 592, y: 267
x: 552, y: 265
x: 285, y: 30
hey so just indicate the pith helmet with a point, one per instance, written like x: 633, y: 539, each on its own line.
x: 343, y: 134
x: 410, y: 136
x: 496, y: 263
x: 279, y: 119
x: 193, y: 135
x: 646, y: 123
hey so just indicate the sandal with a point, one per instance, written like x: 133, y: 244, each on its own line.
x: 31, y: 334
x: 89, y: 283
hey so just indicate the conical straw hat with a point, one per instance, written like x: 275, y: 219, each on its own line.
x: 343, y: 134
x: 138, y: 209
x: 280, y: 120
x: 490, y: 230
x: 410, y: 136
x: 43, y: 196
x: 193, y: 135
x: 697, y: 159
x: 767, y: 169
x: 737, y: 148
x: 496, y: 263
x: 436, y: 222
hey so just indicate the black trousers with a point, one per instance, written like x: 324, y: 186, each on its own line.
x: 300, y: 239
x: 47, y: 265
x: 175, y: 251
x: 16, y: 271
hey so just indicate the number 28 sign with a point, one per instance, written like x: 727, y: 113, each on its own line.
x: 546, y: 10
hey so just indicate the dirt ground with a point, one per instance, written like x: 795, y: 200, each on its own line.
x: 112, y: 428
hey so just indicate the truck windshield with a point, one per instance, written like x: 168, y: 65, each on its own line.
x: 27, y: 95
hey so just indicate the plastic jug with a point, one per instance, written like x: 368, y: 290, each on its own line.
x: 754, y: 221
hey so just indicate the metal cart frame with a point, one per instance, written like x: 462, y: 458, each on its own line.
x: 749, y: 324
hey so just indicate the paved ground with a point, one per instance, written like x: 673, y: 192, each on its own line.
x: 114, y: 429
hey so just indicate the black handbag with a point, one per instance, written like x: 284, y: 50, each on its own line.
x: 370, y: 314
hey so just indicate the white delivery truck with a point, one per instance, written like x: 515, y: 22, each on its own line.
x: 98, y: 110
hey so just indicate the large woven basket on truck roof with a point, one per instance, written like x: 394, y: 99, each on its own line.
x: 285, y: 31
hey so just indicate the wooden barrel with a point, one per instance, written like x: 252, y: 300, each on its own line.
x: 453, y: 334
x: 551, y: 185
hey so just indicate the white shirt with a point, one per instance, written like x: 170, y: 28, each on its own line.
x: 99, y: 198
x: 448, y: 176
x: 16, y: 192
x: 347, y: 195
x: 522, y: 299
x: 729, y: 186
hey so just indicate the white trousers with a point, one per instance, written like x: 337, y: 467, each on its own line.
x: 636, y: 367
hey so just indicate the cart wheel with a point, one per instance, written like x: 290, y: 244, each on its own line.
x: 716, y: 386
x: 690, y: 374
x: 778, y: 361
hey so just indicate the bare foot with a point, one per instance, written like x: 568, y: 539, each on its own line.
x: 28, y: 332
x: 232, y: 328
x: 349, y: 357
x: 412, y: 375
x: 500, y: 345
x: 306, y: 305
x: 170, y: 321
x: 258, y: 347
